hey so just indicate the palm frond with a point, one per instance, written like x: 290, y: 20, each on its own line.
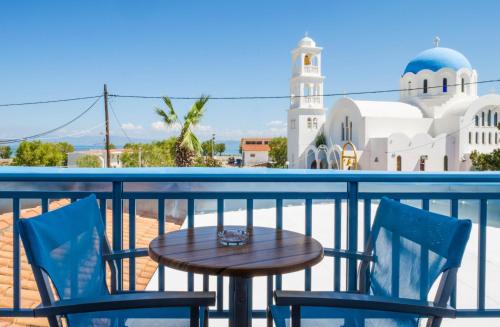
x: 194, y: 115
x: 191, y: 142
x: 169, y: 118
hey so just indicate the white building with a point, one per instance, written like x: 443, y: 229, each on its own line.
x: 255, y: 151
x: 438, y: 121
x: 101, y: 154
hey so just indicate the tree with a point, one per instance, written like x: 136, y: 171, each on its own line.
x: 37, y: 153
x: 5, y: 152
x: 187, y: 145
x: 278, y: 152
x: 156, y: 154
x: 65, y: 148
x: 320, y: 140
x: 220, y: 148
x: 89, y: 161
x: 207, y: 162
x: 486, y: 161
x: 207, y: 148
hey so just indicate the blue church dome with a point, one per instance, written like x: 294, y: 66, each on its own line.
x: 436, y: 58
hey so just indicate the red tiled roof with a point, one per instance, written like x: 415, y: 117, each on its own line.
x: 255, y: 147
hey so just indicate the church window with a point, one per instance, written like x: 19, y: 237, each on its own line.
x: 343, y: 133
x: 445, y: 163
x: 409, y: 87
x: 309, y: 123
x: 425, y: 86
x: 463, y: 85
x: 350, y: 131
x: 315, y: 123
x: 422, y: 163
x: 445, y: 85
x: 398, y: 163
x: 483, y: 138
x: 307, y: 60
x: 476, y: 120
x: 489, y: 117
x: 495, y: 119
x: 477, y: 138
x: 489, y: 137
x: 292, y: 124
x: 482, y: 118
x: 470, y: 137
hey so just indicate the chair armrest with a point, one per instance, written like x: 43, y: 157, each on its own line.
x: 348, y: 254
x: 362, y: 301
x: 126, y: 254
x: 127, y: 301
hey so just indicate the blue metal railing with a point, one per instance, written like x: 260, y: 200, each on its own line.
x: 264, y: 184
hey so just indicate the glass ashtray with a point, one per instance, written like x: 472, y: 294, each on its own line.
x: 232, y: 237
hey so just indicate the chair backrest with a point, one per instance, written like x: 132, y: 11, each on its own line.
x: 67, y: 245
x: 412, y: 247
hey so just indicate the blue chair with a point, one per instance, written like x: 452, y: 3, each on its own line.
x: 407, y: 251
x: 67, y: 248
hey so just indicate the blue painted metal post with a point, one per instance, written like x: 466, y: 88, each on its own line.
x: 118, y: 229
x: 279, y: 225
x: 190, y: 225
x: 45, y: 205
x: 367, y: 229
x: 454, y: 213
x: 352, y: 233
x: 481, y: 274
x: 249, y: 212
x: 424, y: 262
x: 161, y: 231
x: 308, y: 227
x: 220, y: 280
x: 337, y: 243
x: 16, y: 256
x: 131, y: 243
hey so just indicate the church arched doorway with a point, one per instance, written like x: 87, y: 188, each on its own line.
x: 314, y: 165
x: 311, y: 159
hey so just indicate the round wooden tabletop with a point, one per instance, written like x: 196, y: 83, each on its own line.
x: 268, y: 251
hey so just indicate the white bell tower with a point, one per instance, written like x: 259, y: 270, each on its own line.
x: 306, y: 115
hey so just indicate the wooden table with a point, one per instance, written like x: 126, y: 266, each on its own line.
x: 268, y: 252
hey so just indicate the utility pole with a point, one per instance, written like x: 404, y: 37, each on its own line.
x: 108, y: 154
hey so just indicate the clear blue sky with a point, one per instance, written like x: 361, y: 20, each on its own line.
x: 61, y: 49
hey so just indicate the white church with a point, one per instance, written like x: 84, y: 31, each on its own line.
x: 438, y: 121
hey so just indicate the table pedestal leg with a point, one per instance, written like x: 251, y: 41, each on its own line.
x: 240, y: 311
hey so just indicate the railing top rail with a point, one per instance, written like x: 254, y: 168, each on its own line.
x: 236, y: 175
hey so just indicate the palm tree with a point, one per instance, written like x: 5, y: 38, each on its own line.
x: 187, y: 145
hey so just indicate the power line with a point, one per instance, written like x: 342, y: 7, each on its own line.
x: 119, y: 122
x: 9, y: 141
x: 302, y: 96
x: 48, y: 101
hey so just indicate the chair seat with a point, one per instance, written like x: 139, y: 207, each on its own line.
x: 172, y: 316
x: 340, y: 317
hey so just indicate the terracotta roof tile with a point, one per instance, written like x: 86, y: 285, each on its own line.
x: 146, y: 229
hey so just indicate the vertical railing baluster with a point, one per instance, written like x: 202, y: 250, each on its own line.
x: 367, y: 229
x: 279, y: 225
x: 131, y: 243
x: 118, y: 229
x: 454, y: 213
x: 190, y: 208
x: 102, y: 208
x: 16, y: 283
x: 250, y: 212
x: 220, y: 280
x: 481, y: 274
x: 352, y: 233
x: 308, y: 227
x: 337, y: 243
x: 45, y: 205
x: 424, y: 262
x: 161, y: 230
